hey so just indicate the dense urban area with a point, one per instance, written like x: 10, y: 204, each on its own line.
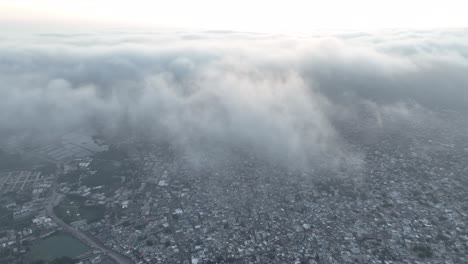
x: 138, y: 201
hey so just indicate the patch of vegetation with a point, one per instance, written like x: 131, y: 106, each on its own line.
x: 93, y: 213
x: 71, y: 177
x: 110, y: 166
x: 11, y: 161
x: 67, y: 212
x: 48, y: 168
x: 7, y: 221
x: 108, y: 172
x: 6, y: 216
x: 73, y: 208
x: 113, y: 153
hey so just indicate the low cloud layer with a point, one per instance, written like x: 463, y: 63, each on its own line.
x: 278, y: 97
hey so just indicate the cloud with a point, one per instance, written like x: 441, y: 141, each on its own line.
x: 277, y: 97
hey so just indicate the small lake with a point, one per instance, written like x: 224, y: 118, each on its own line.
x: 55, y: 246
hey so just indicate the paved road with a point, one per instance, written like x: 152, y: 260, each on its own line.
x: 85, y: 238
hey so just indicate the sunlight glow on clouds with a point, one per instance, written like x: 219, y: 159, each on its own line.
x: 260, y: 15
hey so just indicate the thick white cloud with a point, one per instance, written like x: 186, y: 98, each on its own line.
x: 275, y: 96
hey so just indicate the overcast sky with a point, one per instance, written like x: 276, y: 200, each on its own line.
x: 247, y: 15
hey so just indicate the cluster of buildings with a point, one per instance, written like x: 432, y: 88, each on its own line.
x: 25, y: 220
x: 406, y: 203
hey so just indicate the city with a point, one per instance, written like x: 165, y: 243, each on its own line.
x: 233, y: 132
x: 142, y: 202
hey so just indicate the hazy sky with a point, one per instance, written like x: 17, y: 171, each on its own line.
x: 280, y: 96
x: 259, y: 15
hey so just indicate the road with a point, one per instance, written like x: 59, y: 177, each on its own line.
x: 83, y: 237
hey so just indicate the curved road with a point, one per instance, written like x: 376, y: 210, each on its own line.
x: 88, y: 240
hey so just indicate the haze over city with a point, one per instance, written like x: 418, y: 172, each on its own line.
x: 233, y: 132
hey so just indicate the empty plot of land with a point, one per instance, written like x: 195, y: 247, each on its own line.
x: 4, y: 179
x: 65, y: 151
x: 19, y: 180
x: 71, y: 146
